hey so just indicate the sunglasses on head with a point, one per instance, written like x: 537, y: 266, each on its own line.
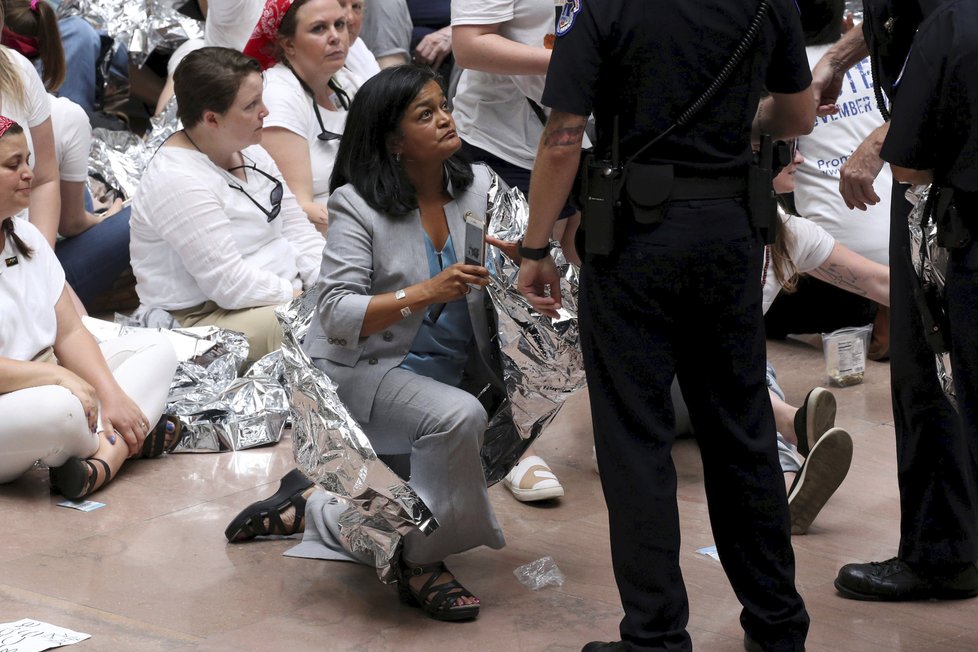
x: 274, y: 197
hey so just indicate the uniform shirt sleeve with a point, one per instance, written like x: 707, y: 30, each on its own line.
x: 575, y: 65
x: 788, y: 70
x: 912, y: 137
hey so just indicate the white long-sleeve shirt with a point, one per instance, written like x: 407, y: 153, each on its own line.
x: 195, y: 238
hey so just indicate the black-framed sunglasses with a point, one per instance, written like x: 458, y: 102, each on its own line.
x: 341, y: 97
x: 274, y: 197
x: 344, y: 100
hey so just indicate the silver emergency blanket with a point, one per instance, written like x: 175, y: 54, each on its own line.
x: 541, y: 367
x: 118, y: 158
x: 141, y: 25
x: 331, y: 448
x: 930, y: 264
x: 542, y: 363
x: 855, y: 7
x: 220, y: 411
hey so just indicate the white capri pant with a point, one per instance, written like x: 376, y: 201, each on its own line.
x: 48, y: 423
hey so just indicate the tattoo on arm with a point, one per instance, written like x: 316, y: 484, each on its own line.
x: 564, y: 130
x: 841, y: 276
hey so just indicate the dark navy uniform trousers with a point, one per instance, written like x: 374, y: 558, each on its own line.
x: 936, y: 460
x: 684, y: 298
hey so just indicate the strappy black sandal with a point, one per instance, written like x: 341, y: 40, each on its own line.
x: 78, y: 478
x: 264, y: 518
x: 436, y: 600
x: 163, y: 438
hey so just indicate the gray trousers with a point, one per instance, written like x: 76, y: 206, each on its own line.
x: 439, y: 429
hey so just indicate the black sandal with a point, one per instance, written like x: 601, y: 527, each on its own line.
x: 441, y: 605
x: 250, y: 523
x: 78, y: 478
x: 155, y: 444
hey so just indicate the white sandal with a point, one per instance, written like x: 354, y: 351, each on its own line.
x: 532, y: 480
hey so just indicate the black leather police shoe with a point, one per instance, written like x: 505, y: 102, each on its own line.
x: 601, y: 646
x: 893, y: 580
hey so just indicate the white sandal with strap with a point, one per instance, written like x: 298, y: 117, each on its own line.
x: 532, y: 480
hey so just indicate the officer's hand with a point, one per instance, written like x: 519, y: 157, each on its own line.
x: 826, y: 86
x: 539, y: 282
x: 857, y: 175
x: 509, y: 248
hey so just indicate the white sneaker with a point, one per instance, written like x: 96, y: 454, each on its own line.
x: 823, y: 471
x: 532, y: 480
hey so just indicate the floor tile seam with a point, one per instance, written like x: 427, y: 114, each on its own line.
x: 51, y: 601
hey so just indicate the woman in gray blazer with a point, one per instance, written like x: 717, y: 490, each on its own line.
x: 405, y: 327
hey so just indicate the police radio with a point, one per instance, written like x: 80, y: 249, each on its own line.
x: 601, y: 186
x: 761, y: 200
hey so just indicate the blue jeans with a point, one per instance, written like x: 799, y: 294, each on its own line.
x: 83, y: 49
x: 94, y: 259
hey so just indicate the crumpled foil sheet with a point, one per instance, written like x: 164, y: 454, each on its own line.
x: 332, y: 449
x: 542, y: 366
x: 542, y: 363
x: 220, y: 411
x: 930, y: 264
x: 142, y: 25
x: 119, y: 157
x: 856, y: 8
x: 540, y: 573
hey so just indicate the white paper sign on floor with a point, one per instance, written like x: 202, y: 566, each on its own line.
x: 33, y: 636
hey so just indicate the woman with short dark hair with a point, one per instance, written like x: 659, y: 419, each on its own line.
x: 217, y: 236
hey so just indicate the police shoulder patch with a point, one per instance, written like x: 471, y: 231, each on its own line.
x: 568, y: 16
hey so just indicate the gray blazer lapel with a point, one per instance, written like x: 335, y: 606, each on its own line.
x: 414, y: 250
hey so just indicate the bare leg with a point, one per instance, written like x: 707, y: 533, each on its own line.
x: 784, y: 418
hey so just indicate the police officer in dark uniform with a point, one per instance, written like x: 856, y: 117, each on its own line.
x: 936, y: 455
x: 679, y: 292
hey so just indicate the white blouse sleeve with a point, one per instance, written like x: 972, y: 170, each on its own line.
x: 297, y: 229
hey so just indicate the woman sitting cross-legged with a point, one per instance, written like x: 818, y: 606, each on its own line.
x: 217, y: 238
x: 403, y: 327
x: 80, y: 408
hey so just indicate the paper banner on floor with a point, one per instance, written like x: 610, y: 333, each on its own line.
x: 28, y: 635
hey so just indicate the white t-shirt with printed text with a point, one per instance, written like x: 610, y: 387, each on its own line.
x: 830, y: 144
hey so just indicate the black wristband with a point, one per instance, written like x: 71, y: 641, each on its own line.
x: 532, y: 254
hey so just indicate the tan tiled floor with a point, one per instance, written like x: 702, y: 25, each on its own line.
x: 151, y: 571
